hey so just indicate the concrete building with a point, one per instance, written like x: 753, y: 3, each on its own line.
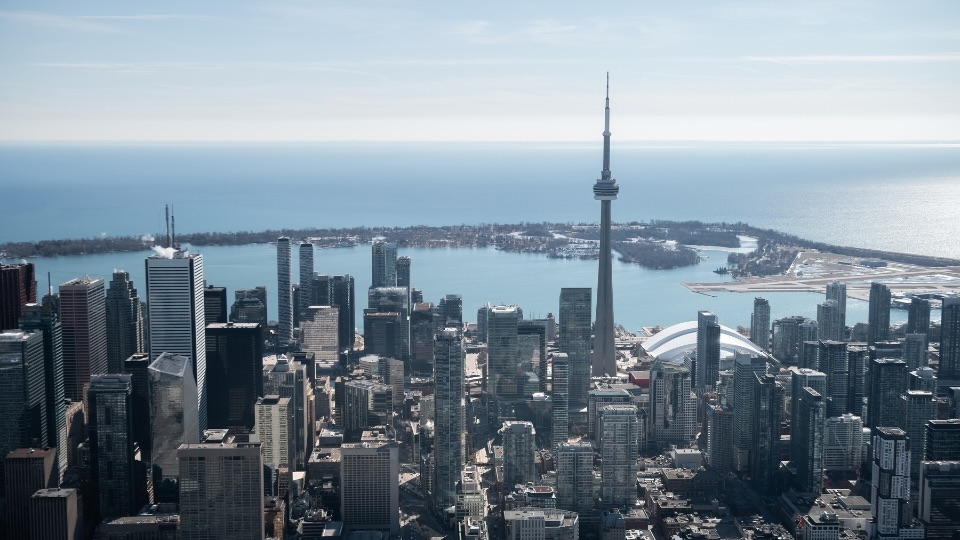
x: 720, y: 429
x: 604, y: 358
x: 338, y: 291
x: 25, y: 471
x: 540, y: 524
x: 502, y: 378
x: 290, y: 380
x: 84, y: 322
x: 275, y: 431
x: 54, y: 515
x: 890, y: 485
x: 878, y: 328
x: 519, y: 449
x: 760, y: 323
x: 673, y: 405
x: 807, y: 438
x: 369, y: 475
x: 575, y: 478
x: 221, y: 491
x: 843, y: 444
x: 449, y: 416
x: 618, y: 431
x: 560, y: 397
x: 828, y: 321
x: 284, y: 291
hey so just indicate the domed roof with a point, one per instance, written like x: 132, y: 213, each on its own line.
x: 671, y: 343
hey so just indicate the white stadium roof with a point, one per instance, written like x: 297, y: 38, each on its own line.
x: 671, y: 343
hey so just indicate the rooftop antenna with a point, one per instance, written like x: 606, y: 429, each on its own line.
x: 49, y: 285
x: 173, y: 231
x: 169, y: 240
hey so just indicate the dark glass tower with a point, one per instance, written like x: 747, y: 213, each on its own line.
x: 18, y: 287
x: 950, y: 339
x: 879, y: 316
x: 214, y: 304
x: 575, y: 303
x: 605, y: 190
x: 235, y: 362
x: 124, y: 321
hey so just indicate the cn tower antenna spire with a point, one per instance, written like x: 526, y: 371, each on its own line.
x: 605, y: 190
x: 605, y: 174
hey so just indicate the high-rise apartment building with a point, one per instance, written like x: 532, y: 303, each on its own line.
x: 403, y: 272
x: 173, y: 419
x: 619, y: 429
x: 837, y: 291
x: 111, y: 445
x: 673, y: 405
x: 828, y: 321
x: 221, y: 491
x: 802, y: 378
x: 42, y: 318
x: 760, y: 323
x: 843, y: 444
x: 575, y: 339
x: 284, y: 291
x: 918, y: 316
x: 745, y: 368
x: 834, y: 363
x: 306, y: 276
x: 605, y: 190
x: 449, y: 416
x: 383, y: 264
x: 858, y: 359
x: 720, y: 429
x: 888, y: 381
x: 369, y: 483
x: 787, y: 338
x: 918, y: 407
x: 767, y: 411
x: 879, y: 313
x: 519, y: 449
x: 84, y: 323
x: 54, y: 515
x: 950, y: 339
x: 234, y: 358
x: 708, y: 351
x: 175, y: 311
x: 18, y: 287
x: 124, y: 321
x: 575, y: 477
x: 502, y: 376
x: 890, y: 484
x: 23, y: 399
x: 560, y: 398
x: 807, y: 438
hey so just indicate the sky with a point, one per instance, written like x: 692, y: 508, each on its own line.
x: 284, y: 70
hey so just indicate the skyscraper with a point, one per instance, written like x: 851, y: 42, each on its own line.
x: 306, y: 276
x: 560, y: 397
x: 939, y: 497
x: 673, y: 405
x: 284, y: 291
x: 37, y: 318
x: 575, y: 478
x: 888, y: 381
x: 942, y: 440
x: 275, y: 431
x: 393, y: 300
x: 25, y: 471
x: 915, y: 350
x: 767, y: 409
x: 574, y: 339
x: 338, y: 291
x: 834, y: 363
x: 828, y: 321
x: 383, y: 264
x: 250, y: 306
x: 403, y: 272
x: 843, y: 444
x: 176, y: 314
x: 950, y: 339
x: 124, y: 321
x: 221, y: 491
x: 807, y: 432
x: 23, y: 401
x: 605, y: 190
x: 320, y: 326
x: 890, y: 483
x: 919, y: 407
x: 837, y: 291
x: 918, y: 316
x: 291, y: 380
x: 54, y: 515
x: 745, y: 368
x: 802, y: 378
x: 234, y: 356
x: 879, y: 315
x: 84, y: 324
x: 111, y: 445
x: 619, y: 429
x: 519, y: 449
x: 18, y: 287
x: 449, y: 416
x: 369, y: 483
x: 502, y: 376
x: 708, y: 351
x: 173, y: 418
x: 760, y: 323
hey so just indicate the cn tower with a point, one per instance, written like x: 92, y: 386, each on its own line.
x: 604, y: 358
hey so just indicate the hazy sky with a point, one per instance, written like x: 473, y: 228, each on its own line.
x: 378, y: 70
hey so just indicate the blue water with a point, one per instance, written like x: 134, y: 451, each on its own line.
x: 895, y: 197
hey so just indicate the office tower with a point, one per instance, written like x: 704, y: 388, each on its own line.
x: 857, y: 362
x: 767, y: 410
x: 176, y: 315
x: 84, y: 324
x: 319, y: 327
x: 923, y: 378
x: 720, y: 428
x: 708, y: 351
x: 918, y: 407
x: 422, y: 330
x: 834, y: 363
x: 890, y: 483
x: 54, y: 515
x: 450, y: 311
x: 942, y: 440
x: 381, y: 333
x: 532, y: 353
x: 939, y: 499
x: 809, y: 330
x: 604, y: 360
x: 800, y: 379
x: 519, y: 448
x: 619, y: 429
x: 18, y: 287
x: 888, y: 381
x: 250, y: 306
x: 879, y: 314
x: 837, y: 291
x: 950, y: 339
x: 173, y: 419
x: 502, y: 376
x: 483, y: 314
x: 338, y: 291
x: 369, y: 483
x: 786, y: 338
x: 760, y: 323
x: 574, y: 339
x: 284, y: 291
x: 43, y: 319
x: 383, y: 264
x: 449, y: 416
x: 221, y: 491
x: 393, y: 300
x: 124, y: 321
x: 291, y: 380
x: 214, y: 304
x: 403, y: 271
x: 540, y: 524
x: 25, y: 471
x: 575, y: 477
x: 364, y: 404
x: 234, y: 357
x: 745, y: 367
x: 807, y: 439
x: 598, y: 397
x: 673, y: 405
x: 23, y: 399
x: 138, y: 367
x: 389, y: 371
x: 828, y: 321
x: 275, y: 431
x: 843, y: 444
x: 807, y: 355
x: 560, y: 396
x: 306, y: 276
x: 110, y: 423
x: 918, y: 316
